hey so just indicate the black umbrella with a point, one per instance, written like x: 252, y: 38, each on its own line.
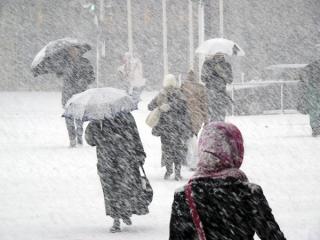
x: 51, y: 57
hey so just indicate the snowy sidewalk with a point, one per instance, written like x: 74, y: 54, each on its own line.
x: 48, y: 191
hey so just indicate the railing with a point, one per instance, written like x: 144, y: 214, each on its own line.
x: 234, y: 86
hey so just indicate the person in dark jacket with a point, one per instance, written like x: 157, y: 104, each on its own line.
x: 309, y: 99
x: 216, y: 73
x: 120, y: 154
x: 174, y: 126
x: 219, y: 202
x: 77, y: 74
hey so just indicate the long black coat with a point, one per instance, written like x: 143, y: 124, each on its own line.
x: 174, y: 126
x: 120, y: 153
x: 76, y: 79
x: 228, y: 209
x: 216, y: 73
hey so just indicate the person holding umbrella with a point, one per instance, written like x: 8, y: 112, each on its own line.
x: 113, y: 131
x: 77, y: 75
x: 64, y: 58
x: 216, y: 73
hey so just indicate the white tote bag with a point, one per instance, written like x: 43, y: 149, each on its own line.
x: 192, y: 156
x: 153, y: 117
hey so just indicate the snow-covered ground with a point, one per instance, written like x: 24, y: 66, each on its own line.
x: 49, y: 191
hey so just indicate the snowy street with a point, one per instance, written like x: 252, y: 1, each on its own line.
x: 51, y: 192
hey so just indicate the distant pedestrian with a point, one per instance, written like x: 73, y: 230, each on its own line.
x: 219, y: 202
x: 309, y: 99
x: 120, y: 154
x: 216, y: 74
x: 197, y: 103
x: 77, y: 74
x: 131, y: 75
x: 174, y: 126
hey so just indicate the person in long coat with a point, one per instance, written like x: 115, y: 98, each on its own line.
x: 174, y: 126
x: 197, y: 103
x: 120, y: 153
x: 216, y: 73
x: 131, y: 75
x: 77, y: 74
x: 219, y: 202
x: 309, y: 99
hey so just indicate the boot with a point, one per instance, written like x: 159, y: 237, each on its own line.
x: 167, y: 175
x: 116, y: 226
x: 168, y: 172
x: 73, y: 143
x: 315, y: 132
x: 79, y: 141
x: 127, y: 221
x: 177, y: 172
x: 177, y: 177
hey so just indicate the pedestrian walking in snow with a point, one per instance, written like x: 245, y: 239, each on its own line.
x: 77, y: 74
x: 131, y: 75
x: 120, y: 155
x: 64, y: 58
x: 216, y: 73
x: 218, y: 202
x: 174, y: 126
x: 309, y: 99
x: 197, y: 103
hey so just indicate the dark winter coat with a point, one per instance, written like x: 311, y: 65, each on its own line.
x: 76, y: 79
x: 216, y: 73
x: 309, y: 89
x: 228, y: 209
x: 120, y: 153
x: 174, y: 126
x: 175, y: 123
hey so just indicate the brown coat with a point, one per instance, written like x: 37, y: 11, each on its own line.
x: 197, y: 103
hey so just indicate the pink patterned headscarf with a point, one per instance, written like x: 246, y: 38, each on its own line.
x: 220, y: 151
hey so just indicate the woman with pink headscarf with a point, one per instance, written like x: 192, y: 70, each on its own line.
x: 219, y: 202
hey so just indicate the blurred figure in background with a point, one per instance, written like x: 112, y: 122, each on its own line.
x: 197, y: 103
x: 131, y: 75
x: 174, y: 126
x: 216, y: 73
x: 219, y: 202
x: 309, y: 91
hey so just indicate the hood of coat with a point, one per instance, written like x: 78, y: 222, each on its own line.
x: 191, y: 77
x: 218, y: 58
x: 220, y: 147
x: 170, y: 81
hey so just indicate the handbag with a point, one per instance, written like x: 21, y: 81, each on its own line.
x: 153, y: 117
x: 147, y: 191
x: 192, y: 155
